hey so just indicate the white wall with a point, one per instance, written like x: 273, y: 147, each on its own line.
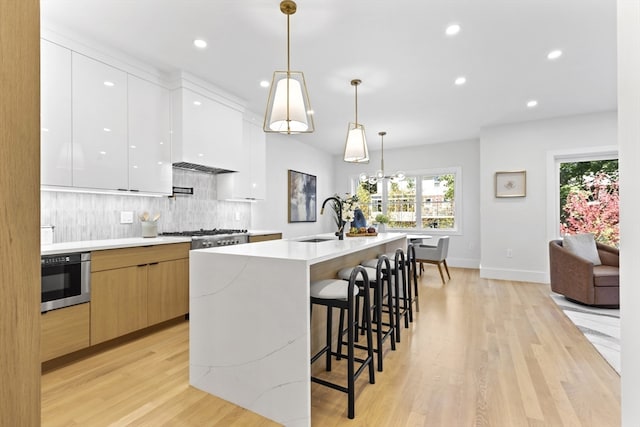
x: 519, y: 224
x: 285, y: 152
x: 629, y: 137
x: 464, y: 247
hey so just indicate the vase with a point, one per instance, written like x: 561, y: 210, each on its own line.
x: 382, y: 228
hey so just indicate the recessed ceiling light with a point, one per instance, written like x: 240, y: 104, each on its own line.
x: 452, y: 30
x: 133, y: 146
x: 460, y: 81
x: 532, y: 104
x: 109, y: 84
x: 106, y: 129
x: 199, y: 43
x: 197, y: 103
x: 264, y: 83
x: 554, y: 54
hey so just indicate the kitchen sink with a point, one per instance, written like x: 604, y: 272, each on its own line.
x: 315, y: 240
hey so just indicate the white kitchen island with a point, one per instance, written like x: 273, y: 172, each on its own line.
x: 249, y: 332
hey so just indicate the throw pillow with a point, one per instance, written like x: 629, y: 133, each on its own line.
x: 582, y: 245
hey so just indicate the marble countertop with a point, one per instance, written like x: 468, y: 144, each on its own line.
x: 95, y: 245
x: 312, y: 252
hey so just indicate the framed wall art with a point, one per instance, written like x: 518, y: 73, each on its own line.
x: 302, y: 197
x: 511, y: 184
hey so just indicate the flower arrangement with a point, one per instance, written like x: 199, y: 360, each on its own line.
x: 349, y: 204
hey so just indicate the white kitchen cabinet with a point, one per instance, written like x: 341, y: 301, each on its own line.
x: 249, y: 182
x: 55, y: 115
x: 99, y: 124
x: 149, y: 111
x: 206, y: 131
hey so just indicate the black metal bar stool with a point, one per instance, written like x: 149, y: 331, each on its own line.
x: 382, y: 330
x: 397, y: 275
x: 412, y: 273
x: 342, y: 295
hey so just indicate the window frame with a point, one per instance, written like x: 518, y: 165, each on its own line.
x: 418, y: 174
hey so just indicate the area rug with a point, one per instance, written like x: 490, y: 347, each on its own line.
x: 601, y: 326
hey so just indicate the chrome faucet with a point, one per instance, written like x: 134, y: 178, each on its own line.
x: 340, y: 232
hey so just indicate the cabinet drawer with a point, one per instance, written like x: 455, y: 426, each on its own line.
x: 126, y: 257
x: 64, y: 331
x: 265, y: 237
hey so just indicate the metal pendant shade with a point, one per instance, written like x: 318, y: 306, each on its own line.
x: 288, y: 108
x: 355, y: 148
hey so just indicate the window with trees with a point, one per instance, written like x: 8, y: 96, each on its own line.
x: 589, y: 199
x: 421, y: 201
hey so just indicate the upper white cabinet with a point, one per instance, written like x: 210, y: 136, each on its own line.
x: 149, y: 110
x: 99, y: 124
x: 206, y: 132
x: 249, y: 182
x: 102, y: 128
x: 55, y: 115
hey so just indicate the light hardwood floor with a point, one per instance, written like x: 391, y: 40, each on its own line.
x: 479, y: 353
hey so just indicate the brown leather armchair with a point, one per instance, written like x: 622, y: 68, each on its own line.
x: 579, y: 280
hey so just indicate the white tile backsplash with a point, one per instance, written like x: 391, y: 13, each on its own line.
x: 82, y: 216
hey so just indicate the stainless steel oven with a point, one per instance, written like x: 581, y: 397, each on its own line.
x: 66, y: 280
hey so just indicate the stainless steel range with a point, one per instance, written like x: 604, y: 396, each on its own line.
x: 213, y: 238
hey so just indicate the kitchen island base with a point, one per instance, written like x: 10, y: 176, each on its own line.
x: 250, y: 332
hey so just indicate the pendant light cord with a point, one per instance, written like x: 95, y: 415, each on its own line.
x: 356, y: 105
x: 288, y: 72
x: 382, y: 153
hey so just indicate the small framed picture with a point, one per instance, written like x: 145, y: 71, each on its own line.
x: 511, y: 184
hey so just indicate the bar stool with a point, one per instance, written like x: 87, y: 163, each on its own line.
x: 382, y: 330
x: 341, y: 294
x: 412, y: 273
x: 397, y: 274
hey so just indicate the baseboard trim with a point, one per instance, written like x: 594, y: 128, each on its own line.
x: 463, y: 263
x: 516, y: 275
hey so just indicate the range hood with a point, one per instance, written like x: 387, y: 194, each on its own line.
x: 200, y: 168
x: 207, y: 128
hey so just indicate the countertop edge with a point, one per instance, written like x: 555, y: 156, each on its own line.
x: 97, y: 245
x: 294, y: 250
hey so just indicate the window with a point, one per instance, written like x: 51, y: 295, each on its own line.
x: 589, y: 199
x: 422, y: 201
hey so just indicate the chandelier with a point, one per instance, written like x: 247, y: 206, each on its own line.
x: 380, y: 174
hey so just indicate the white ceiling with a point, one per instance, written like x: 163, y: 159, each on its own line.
x: 398, y: 49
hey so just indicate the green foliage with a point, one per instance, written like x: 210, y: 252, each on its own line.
x: 382, y: 219
x: 573, y: 174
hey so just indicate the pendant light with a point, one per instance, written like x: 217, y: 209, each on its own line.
x: 380, y: 174
x: 288, y: 107
x: 355, y: 148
